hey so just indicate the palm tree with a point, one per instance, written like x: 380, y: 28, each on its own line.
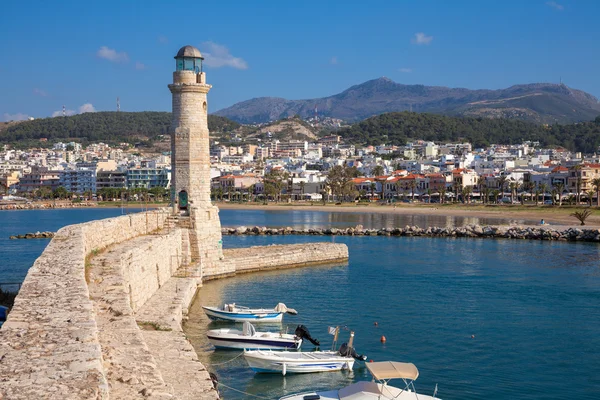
x: 582, y: 215
x: 590, y: 194
x: 302, y: 185
x: 412, y: 184
x: 398, y: 184
x: 578, y: 182
x: 596, y: 185
x: 442, y: 192
x: 486, y: 194
x: 513, y: 186
x: 528, y: 187
x: 501, y: 183
x: 559, y: 189
x: 543, y: 188
x: 373, y: 187
x: 466, y: 192
x: 496, y: 193
x: 377, y: 170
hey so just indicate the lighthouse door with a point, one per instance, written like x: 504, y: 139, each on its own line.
x: 183, y: 202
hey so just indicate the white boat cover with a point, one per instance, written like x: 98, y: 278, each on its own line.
x: 393, y: 370
x: 280, y: 307
x: 248, y: 329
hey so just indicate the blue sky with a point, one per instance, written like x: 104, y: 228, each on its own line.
x: 85, y: 54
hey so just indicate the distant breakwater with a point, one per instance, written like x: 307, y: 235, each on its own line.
x: 34, y: 235
x: 473, y: 231
x: 44, y: 206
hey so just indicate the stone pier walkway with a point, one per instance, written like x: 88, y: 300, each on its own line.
x: 146, y: 354
x: 177, y: 361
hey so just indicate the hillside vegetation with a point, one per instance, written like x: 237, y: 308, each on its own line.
x: 111, y: 127
x: 398, y: 128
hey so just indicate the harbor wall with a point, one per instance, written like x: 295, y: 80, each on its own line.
x: 49, y: 345
x: 74, y: 331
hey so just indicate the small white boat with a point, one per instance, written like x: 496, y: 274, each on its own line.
x: 284, y: 362
x: 378, y: 388
x: 249, y: 338
x: 233, y: 312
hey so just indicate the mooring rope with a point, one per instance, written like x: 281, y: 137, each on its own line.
x: 239, y: 391
x: 228, y: 361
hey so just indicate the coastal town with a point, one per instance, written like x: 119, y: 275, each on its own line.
x: 326, y: 169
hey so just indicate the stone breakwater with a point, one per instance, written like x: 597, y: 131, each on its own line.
x: 473, y: 231
x: 34, y: 235
x: 44, y: 206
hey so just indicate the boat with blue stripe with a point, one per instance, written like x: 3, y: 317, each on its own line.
x: 235, y: 313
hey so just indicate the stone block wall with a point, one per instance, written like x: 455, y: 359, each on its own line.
x: 49, y: 345
x: 244, y: 260
x: 149, y: 265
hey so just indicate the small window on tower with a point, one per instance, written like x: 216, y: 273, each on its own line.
x: 204, y: 106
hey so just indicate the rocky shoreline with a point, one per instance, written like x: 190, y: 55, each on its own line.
x: 44, y: 206
x: 474, y: 231
x: 35, y: 235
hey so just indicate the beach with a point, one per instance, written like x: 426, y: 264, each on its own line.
x: 550, y: 215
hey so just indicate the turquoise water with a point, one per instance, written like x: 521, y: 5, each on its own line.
x: 16, y: 256
x: 532, y: 306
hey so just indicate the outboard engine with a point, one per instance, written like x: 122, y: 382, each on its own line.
x: 303, y: 333
x: 347, y: 351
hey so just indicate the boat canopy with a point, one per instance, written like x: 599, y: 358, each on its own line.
x: 393, y: 370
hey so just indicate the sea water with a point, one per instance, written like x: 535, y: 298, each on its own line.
x: 483, y: 319
x: 532, y: 306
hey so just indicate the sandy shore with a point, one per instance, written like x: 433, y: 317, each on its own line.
x: 551, y: 215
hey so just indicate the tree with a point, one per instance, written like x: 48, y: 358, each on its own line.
x: 528, y: 187
x: 578, y: 183
x: 377, y: 170
x: 513, y: 186
x: 442, y: 194
x: 501, y: 184
x: 339, y: 179
x: 543, y: 189
x: 466, y: 193
x: 412, y: 184
x: 559, y: 189
x: 582, y: 215
x: 496, y: 193
x: 590, y: 194
x: 302, y: 185
x: 60, y: 193
x: 275, y: 182
x: 596, y: 185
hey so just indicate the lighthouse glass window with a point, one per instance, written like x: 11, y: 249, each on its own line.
x: 179, y: 62
x: 189, y: 64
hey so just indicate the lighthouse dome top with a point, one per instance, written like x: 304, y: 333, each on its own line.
x: 189, y: 51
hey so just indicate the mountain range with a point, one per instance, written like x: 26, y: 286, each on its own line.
x: 537, y: 102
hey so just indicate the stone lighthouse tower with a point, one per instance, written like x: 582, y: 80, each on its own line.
x: 190, y: 158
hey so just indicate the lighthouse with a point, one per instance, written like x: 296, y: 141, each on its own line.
x: 190, y: 158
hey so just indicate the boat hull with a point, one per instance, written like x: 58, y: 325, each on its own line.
x: 264, y: 341
x: 297, y: 364
x: 242, y: 316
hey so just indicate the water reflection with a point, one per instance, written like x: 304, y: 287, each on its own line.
x: 320, y: 219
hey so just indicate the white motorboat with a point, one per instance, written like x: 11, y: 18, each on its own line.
x: 249, y: 338
x: 284, y: 362
x: 378, y: 388
x: 233, y: 312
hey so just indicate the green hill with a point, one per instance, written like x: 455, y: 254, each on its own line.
x: 111, y: 127
x: 398, y: 128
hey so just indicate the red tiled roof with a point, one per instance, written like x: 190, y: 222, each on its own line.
x: 560, y: 168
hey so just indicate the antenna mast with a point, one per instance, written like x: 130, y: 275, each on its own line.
x: 64, y: 111
x: 118, y: 105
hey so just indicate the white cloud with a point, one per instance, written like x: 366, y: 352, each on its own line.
x: 421, y: 38
x: 40, y: 92
x: 140, y: 66
x: 406, y: 70
x: 555, y: 5
x: 333, y: 60
x: 112, y: 55
x: 163, y: 39
x: 85, y: 108
x: 15, y: 117
x: 216, y: 55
